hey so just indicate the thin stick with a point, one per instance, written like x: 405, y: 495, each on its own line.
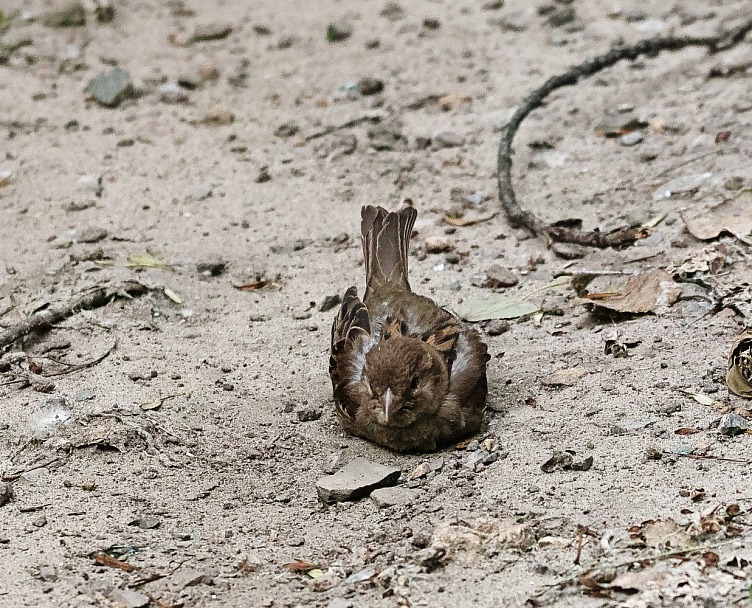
x: 521, y: 217
x: 94, y: 298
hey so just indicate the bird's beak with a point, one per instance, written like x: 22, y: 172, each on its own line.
x: 387, y: 402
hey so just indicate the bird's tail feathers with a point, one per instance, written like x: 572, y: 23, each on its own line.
x: 386, y: 240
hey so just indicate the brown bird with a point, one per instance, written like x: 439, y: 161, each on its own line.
x: 405, y: 373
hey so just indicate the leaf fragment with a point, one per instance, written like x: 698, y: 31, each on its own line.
x: 145, y: 260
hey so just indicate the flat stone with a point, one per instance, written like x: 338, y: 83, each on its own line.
x: 111, y: 88
x: 437, y: 244
x: 129, y: 598
x: 358, y: 478
x: 172, y: 92
x: 569, y: 251
x: 394, y: 497
x: 210, y: 31
x: 733, y: 424
x: 190, y: 578
x: 448, y: 139
x: 631, y: 139
x: 498, y: 276
x: 92, y: 234
x: 340, y: 602
x: 686, y: 184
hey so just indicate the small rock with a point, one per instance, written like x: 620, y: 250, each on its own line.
x: 370, y: 86
x: 263, y: 175
x: 40, y: 522
x: 355, y: 480
x: 616, y: 125
x: 340, y: 602
x: 386, y: 137
x: 211, y: 269
x: 732, y: 424
x: 393, y: 11
x: 172, y: 92
x: 360, y: 577
x: 565, y: 377
x: 47, y: 573
x: 6, y: 177
x: 309, y: 413
x: 92, y: 234
x: 569, y: 251
x: 210, y: 31
x: 218, y: 116
x: 287, y: 129
x: 6, y: 493
x: 145, y: 523
x: 190, y: 578
x: 497, y: 276
x: 686, y: 184
x: 330, y: 302
x: 127, y: 598
x: 448, y: 139
x: 111, y: 88
x: 561, y: 16
x: 397, y: 496
x: 631, y: 139
x: 70, y: 14
x: 437, y: 244
x: 421, y: 470
x: 430, y: 558
x: 337, y: 32
x: 498, y: 327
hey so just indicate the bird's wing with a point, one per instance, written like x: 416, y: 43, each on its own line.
x: 351, y: 335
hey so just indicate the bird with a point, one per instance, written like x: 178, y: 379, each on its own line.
x: 406, y: 374
x: 739, y: 374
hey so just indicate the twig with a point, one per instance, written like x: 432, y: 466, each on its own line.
x: 526, y: 219
x: 709, y: 457
x: 345, y: 125
x: 72, y: 367
x: 94, y: 298
x: 641, y: 561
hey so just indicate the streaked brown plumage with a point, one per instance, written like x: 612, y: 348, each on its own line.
x: 405, y: 373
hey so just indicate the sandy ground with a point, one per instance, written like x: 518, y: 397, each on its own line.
x: 213, y: 491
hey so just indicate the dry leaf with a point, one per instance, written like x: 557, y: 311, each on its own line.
x: 666, y: 533
x: 497, y: 307
x: 145, y: 260
x: 172, y: 295
x: 453, y: 101
x: 565, y: 377
x: 733, y: 216
x: 252, y: 286
x: 686, y: 431
x: 640, y: 294
x: 300, y: 566
x: 701, y: 398
x: 739, y: 376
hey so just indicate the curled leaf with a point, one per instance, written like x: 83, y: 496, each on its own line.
x: 145, y: 260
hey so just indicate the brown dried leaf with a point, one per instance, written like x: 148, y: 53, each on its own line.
x: 666, y: 533
x: 686, y: 431
x: 300, y: 566
x: 252, y: 286
x: 112, y: 562
x: 733, y: 216
x: 640, y: 294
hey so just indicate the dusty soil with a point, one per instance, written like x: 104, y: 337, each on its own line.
x: 221, y: 476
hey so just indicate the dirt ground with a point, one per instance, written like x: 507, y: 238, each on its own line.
x: 183, y: 452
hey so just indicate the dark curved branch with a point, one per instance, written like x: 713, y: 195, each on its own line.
x: 525, y: 219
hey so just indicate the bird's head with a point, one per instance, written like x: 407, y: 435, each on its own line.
x: 405, y: 379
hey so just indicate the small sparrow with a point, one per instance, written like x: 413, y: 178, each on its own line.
x: 405, y: 373
x: 739, y: 375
